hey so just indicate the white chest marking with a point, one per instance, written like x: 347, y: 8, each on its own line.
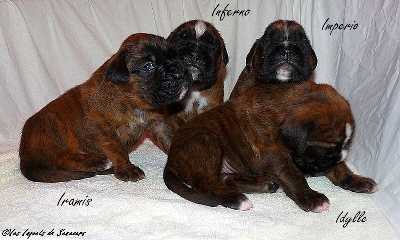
x: 195, y: 97
x: 349, y: 132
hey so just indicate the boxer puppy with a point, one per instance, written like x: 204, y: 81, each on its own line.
x: 283, y: 54
x: 203, y: 50
x: 91, y: 128
x: 271, y: 135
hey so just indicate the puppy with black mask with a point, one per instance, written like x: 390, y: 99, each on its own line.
x: 93, y: 127
x: 284, y: 55
x: 271, y: 135
x: 201, y: 47
x: 276, y: 130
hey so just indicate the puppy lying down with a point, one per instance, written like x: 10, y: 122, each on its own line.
x: 271, y: 136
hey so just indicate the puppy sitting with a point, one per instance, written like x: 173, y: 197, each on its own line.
x: 91, y: 128
x: 282, y: 55
x: 203, y: 50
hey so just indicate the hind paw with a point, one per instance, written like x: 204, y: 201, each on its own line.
x: 99, y: 163
x: 237, y: 202
x: 130, y: 173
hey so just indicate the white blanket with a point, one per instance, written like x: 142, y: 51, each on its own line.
x: 48, y: 46
x: 113, y: 209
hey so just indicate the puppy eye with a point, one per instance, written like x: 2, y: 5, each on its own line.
x: 148, y: 67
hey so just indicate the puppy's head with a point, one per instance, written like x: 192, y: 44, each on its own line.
x: 145, y: 66
x: 202, y: 49
x: 282, y: 54
x: 319, y: 134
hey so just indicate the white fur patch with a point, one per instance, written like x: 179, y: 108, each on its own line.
x: 349, y: 131
x: 286, y: 43
x: 322, y: 208
x: 374, y: 189
x: 345, y: 153
x: 200, y: 27
x: 108, y: 165
x: 141, y: 115
x: 245, y: 205
x: 286, y: 29
x: 195, y: 97
x: 183, y: 92
x: 284, y: 72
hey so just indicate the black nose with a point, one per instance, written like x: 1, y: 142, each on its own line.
x: 173, y: 69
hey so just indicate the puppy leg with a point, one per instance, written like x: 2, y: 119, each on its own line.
x: 342, y: 176
x: 161, y: 135
x: 250, y: 184
x: 193, y: 172
x: 85, y: 162
x: 123, y: 168
x: 68, y: 167
x: 225, y: 195
x: 206, y: 192
x: 293, y: 182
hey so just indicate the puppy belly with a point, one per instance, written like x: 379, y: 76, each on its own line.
x: 227, y: 168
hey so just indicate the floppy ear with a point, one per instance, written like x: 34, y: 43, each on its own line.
x: 295, y: 137
x: 117, y: 70
x: 250, y: 55
x: 224, y: 54
x: 179, y: 33
x: 313, y: 58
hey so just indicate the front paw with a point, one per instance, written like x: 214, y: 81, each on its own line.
x: 359, y: 184
x: 312, y: 201
x: 130, y: 173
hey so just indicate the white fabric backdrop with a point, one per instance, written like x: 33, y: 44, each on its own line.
x: 47, y: 46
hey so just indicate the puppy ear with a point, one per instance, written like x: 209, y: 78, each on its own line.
x: 117, y: 69
x: 313, y: 58
x: 224, y: 54
x: 295, y: 137
x: 250, y: 55
x: 179, y: 33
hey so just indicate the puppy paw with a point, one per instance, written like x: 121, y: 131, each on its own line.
x: 98, y: 163
x: 130, y: 173
x: 322, y: 208
x: 359, y: 184
x: 271, y: 187
x: 104, y: 166
x: 237, y: 202
x: 313, y: 201
x: 245, y: 205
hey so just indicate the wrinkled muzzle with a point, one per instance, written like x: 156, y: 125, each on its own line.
x: 173, y: 82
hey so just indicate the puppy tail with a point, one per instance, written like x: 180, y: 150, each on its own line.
x: 52, y: 176
x: 177, y: 185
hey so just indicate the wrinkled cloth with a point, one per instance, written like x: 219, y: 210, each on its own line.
x: 47, y: 47
x: 113, y: 209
